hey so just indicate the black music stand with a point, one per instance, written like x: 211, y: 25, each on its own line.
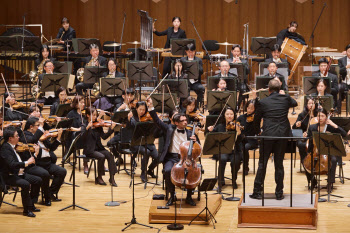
x: 93, y: 73
x: 112, y: 86
x: 120, y: 117
x: 217, y: 100
x: 63, y: 110
x: 191, y: 68
x: 178, y: 46
x: 140, y: 70
x: 220, y: 143
x: 263, y: 45
x: 72, y: 149
x: 64, y: 124
x: 309, y: 84
x: 31, y: 43
x: 263, y: 82
x: 178, y: 86
x: 239, y: 68
x: 82, y: 45
x: 325, y: 101
x: 168, y: 102
x: 51, y: 82
x: 207, y: 185
x: 231, y: 82
x: 63, y: 67
x: 210, y: 120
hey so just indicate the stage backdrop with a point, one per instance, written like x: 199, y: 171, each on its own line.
x: 220, y: 20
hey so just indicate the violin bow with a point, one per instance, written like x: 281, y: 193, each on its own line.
x: 222, y: 110
x: 157, y: 86
x: 90, y: 108
x: 172, y: 99
x: 81, y: 115
x: 126, y: 95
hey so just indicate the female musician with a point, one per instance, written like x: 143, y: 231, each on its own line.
x: 302, y: 123
x: 221, y: 85
x: 61, y: 98
x: 189, y: 108
x: 66, y: 32
x: 128, y: 100
x: 178, y: 72
x: 229, y: 117
x: 171, y: 33
x: 44, y: 55
x: 140, y: 112
x: 93, y: 147
x: 325, y: 125
x: 321, y: 87
x: 11, y: 112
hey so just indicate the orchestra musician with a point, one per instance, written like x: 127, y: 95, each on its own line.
x: 46, y: 158
x: 290, y: 32
x: 274, y: 112
x: 344, y: 70
x: 272, y: 69
x: 44, y: 55
x: 195, y: 85
x: 178, y: 72
x: 174, y: 135
x: 93, y: 60
x: 276, y: 53
x: 66, y: 32
x: 48, y: 98
x: 174, y: 32
x: 14, y: 171
x: 221, y: 85
x: 323, y: 65
x: 61, y: 98
x: 189, y: 108
x: 321, y: 87
x: 12, y: 114
x: 224, y: 67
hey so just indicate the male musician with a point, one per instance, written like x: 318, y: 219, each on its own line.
x: 344, y: 64
x: 236, y: 53
x: 12, y: 114
x: 224, y: 67
x: 93, y: 60
x: 49, y: 96
x: 175, y: 134
x: 46, y: 158
x: 276, y: 53
x: 291, y: 33
x: 14, y: 171
x: 195, y: 85
x: 274, y: 112
x: 66, y: 32
x: 323, y: 65
x: 272, y: 68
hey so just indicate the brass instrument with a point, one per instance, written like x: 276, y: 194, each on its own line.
x: 96, y: 87
x: 80, y: 72
x: 33, y: 75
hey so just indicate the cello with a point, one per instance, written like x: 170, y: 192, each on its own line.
x: 186, y: 173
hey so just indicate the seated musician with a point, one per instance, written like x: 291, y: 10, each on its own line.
x: 60, y: 98
x: 12, y: 113
x: 140, y: 112
x: 237, y: 152
x: 46, y: 158
x: 272, y: 69
x: 195, y: 85
x: 344, y: 66
x: 44, y: 55
x: 290, y: 32
x: 221, y: 85
x: 66, y: 32
x: 178, y: 72
x: 325, y: 125
x: 93, y: 148
x: 303, y: 122
x: 236, y: 52
x: 224, y: 67
x: 107, y: 103
x: 13, y: 170
x: 175, y: 135
x: 276, y: 53
x: 93, y: 60
x: 189, y: 108
x: 321, y: 87
x: 49, y: 96
x: 174, y: 32
x: 323, y: 64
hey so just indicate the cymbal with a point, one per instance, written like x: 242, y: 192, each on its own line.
x: 134, y: 42
x: 224, y: 43
x: 113, y: 45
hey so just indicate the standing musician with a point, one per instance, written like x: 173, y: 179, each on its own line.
x: 276, y: 53
x: 93, y: 60
x: 344, y: 70
x: 175, y: 135
x: 195, y: 85
x: 290, y: 32
x: 323, y: 66
x: 224, y: 67
x: 141, y: 114
x: 66, y: 32
x: 61, y: 98
x: 274, y: 112
x: 46, y: 158
x: 14, y: 171
x: 174, y: 32
x: 325, y: 125
x: 272, y: 68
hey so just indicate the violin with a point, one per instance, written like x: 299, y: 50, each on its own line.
x: 12, y: 123
x: 102, y: 123
x: 197, y: 116
x: 232, y: 126
x: 67, y: 101
x: 21, y: 147
x: 18, y: 105
x: 52, y: 119
x: 146, y: 117
x: 53, y: 133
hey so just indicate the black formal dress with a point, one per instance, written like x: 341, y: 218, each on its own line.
x: 274, y: 111
x: 291, y: 35
x: 10, y: 165
x: 334, y: 85
x: 170, y: 35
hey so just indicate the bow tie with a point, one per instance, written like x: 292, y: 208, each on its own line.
x: 180, y: 130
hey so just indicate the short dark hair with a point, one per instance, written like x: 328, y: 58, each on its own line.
x: 190, y: 47
x: 322, y: 60
x: 324, y: 111
x: 32, y: 108
x: 252, y: 101
x: 90, y: 110
x: 177, y: 61
x: 277, y: 47
x: 48, y: 61
x: 64, y: 20
x: 93, y: 46
x: 7, y: 94
x: 272, y: 62
x: 189, y: 100
x: 129, y: 91
x: 274, y: 85
x: 141, y: 103
x: 175, y: 18
x: 30, y: 122
x: 177, y: 117
x: 113, y: 60
x: 75, y: 101
x: 59, y: 90
x: 9, y: 132
x: 172, y: 112
x: 347, y: 47
x: 293, y: 23
x: 236, y: 46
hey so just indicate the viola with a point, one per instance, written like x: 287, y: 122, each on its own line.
x: 21, y: 147
x: 102, y: 123
x: 197, y: 116
x: 146, y: 117
x: 12, y: 123
x: 232, y: 126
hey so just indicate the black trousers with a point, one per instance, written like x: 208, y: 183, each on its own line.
x: 235, y: 164
x: 170, y: 160
x: 45, y: 185
x: 58, y: 173
x: 101, y: 156
x: 278, y: 147
x: 167, y: 66
x: 199, y: 89
x: 151, y: 152
x: 249, y: 145
x: 343, y: 89
x: 26, y: 182
x: 80, y: 87
x: 113, y: 143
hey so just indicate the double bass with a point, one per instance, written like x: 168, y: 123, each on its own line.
x: 186, y: 173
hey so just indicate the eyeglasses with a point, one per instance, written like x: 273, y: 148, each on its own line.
x: 37, y: 125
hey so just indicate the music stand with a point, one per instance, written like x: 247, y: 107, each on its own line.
x: 62, y: 110
x: 64, y: 124
x: 140, y: 70
x: 178, y: 86
x: 263, y: 82
x: 178, y: 46
x: 82, y: 45
x: 210, y: 120
x: 72, y: 149
x: 325, y: 101
x: 168, y: 102
x: 217, y: 99
x: 191, y: 68
x: 93, y: 73
x: 207, y: 185
x: 9, y: 43
x: 263, y: 45
x: 51, y: 82
x: 329, y: 144
x: 230, y: 82
x: 63, y: 67
x: 31, y: 43
x: 309, y: 84
x: 239, y: 68
x: 219, y: 143
x: 112, y: 86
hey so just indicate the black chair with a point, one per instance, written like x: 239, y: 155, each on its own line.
x: 4, y: 191
x: 123, y: 148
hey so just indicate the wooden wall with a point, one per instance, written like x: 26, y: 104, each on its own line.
x: 214, y: 19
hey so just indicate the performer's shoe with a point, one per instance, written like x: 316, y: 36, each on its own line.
x: 151, y: 173
x: 113, y: 183
x: 29, y: 214
x: 54, y: 198
x: 190, y: 201
x: 256, y: 196
x: 279, y: 197
x: 143, y: 177
x: 100, y: 181
x: 170, y: 201
x: 34, y: 209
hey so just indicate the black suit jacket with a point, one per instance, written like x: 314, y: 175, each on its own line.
x: 274, y: 111
x: 168, y: 32
x: 200, y: 65
x: 14, y: 115
x: 342, y: 62
x: 334, y: 81
x: 245, y: 65
x: 10, y: 163
x: 68, y: 35
x: 101, y: 60
x: 168, y: 130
